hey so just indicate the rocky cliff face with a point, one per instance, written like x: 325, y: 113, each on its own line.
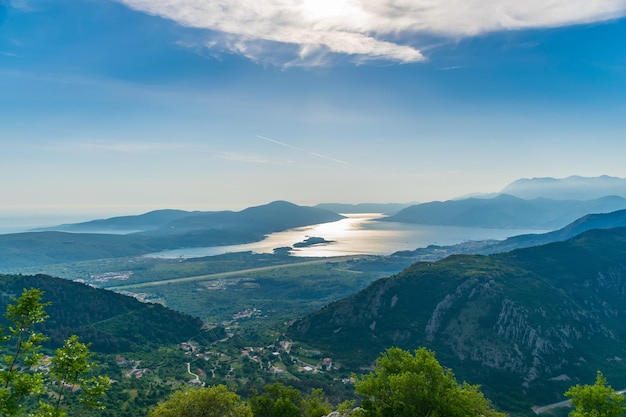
x: 535, y: 321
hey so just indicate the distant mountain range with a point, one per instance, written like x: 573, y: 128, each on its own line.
x: 570, y: 188
x: 278, y: 215
x: 589, y: 222
x: 506, y: 211
x: 161, y: 230
x: 173, y: 229
x: 123, y: 224
x: 387, y: 208
x: 525, y: 324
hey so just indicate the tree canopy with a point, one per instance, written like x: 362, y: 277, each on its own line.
x: 597, y: 400
x: 277, y: 400
x: 408, y: 385
x: 216, y: 401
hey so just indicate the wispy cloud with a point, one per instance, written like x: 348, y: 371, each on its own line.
x: 318, y: 155
x: 120, y: 146
x: 307, y: 31
x: 26, y: 6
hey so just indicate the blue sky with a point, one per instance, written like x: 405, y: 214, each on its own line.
x: 131, y: 105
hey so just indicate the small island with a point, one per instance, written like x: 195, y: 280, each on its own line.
x: 311, y: 241
x: 283, y: 250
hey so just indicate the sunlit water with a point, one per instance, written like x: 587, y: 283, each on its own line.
x: 356, y: 234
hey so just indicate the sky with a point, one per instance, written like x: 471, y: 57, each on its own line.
x: 124, y: 106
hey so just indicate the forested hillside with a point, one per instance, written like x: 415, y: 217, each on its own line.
x: 111, y: 322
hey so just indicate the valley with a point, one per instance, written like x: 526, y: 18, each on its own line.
x: 301, y: 208
x: 525, y: 317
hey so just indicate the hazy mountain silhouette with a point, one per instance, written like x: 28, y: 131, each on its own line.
x: 506, y: 211
x: 167, y: 229
x: 570, y: 188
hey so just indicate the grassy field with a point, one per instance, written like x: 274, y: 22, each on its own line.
x: 258, y: 289
x: 252, y: 296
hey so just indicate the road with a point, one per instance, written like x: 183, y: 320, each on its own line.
x: 539, y: 410
x: 231, y: 273
x: 196, y: 376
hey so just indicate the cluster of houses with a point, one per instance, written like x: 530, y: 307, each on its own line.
x: 135, y: 371
x: 110, y: 276
x: 262, y: 355
x: 249, y: 313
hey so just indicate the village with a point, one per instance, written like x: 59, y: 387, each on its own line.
x: 207, y: 365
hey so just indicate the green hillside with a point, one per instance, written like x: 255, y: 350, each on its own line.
x: 525, y: 324
x: 111, y: 322
x: 611, y: 220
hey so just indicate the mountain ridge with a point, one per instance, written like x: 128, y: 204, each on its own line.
x: 574, y: 187
x: 531, y: 321
x: 592, y: 221
x: 193, y: 230
x: 176, y: 221
x: 506, y: 211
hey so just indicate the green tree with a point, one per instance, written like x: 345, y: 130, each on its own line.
x: 407, y: 385
x: 597, y: 400
x: 216, y: 401
x: 348, y: 408
x: 316, y: 404
x: 70, y: 369
x: 22, y: 343
x: 22, y: 378
x: 277, y: 400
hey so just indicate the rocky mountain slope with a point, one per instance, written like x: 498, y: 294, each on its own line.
x: 526, y: 324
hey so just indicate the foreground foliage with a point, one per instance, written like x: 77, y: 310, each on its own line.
x: 597, y: 400
x: 23, y: 376
x: 215, y: 401
x: 407, y: 385
x: 23, y: 351
x: 278, y: 400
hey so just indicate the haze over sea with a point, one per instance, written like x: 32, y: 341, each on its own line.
x: 17, y: 223
x: 356, y: 234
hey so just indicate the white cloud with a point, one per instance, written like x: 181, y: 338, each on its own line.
x: 365, y: 29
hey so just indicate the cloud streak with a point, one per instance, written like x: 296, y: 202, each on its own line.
x: 306, y: 32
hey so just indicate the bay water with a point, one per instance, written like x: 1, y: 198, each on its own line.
x: 356, y: 234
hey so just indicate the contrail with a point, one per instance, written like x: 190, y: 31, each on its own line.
x: 319, y: 155
x: 280, y: 143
